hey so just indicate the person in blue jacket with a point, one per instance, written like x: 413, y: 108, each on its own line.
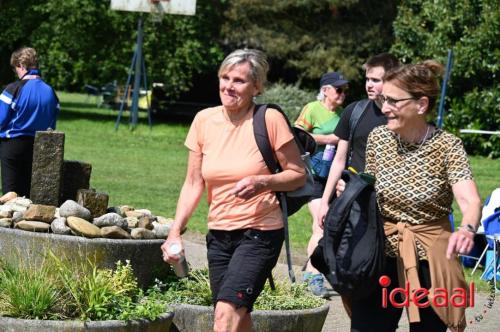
x: 27, y: 105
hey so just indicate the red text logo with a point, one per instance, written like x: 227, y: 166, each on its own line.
x: 457, y: 297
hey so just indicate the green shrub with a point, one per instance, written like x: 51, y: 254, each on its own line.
x: 465, y: 113
x: 57, y: 290
x: 290, y: 97
x: 427, y: 29
x: 28, y: 292
x: 149, y: 306
x: 195, y: 289
x: 98, y: 294
x: 287, y: 296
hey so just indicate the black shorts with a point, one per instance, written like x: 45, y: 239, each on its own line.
x: 239, y: 263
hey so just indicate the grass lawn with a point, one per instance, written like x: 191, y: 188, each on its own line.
x: 145, y: 168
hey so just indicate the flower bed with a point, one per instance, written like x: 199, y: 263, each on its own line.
x: 144, y: 255
x: 58, y: 296
x: 287, y: 308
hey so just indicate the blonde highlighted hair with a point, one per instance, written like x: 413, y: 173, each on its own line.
x: 257, y: 61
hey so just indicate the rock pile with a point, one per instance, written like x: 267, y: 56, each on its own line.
x: 71, y: 218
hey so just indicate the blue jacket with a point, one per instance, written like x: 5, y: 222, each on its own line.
x: 27, y: 106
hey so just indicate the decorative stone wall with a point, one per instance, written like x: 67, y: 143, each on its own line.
x: 189, y: 318
x: 76, y: 175
x: 32, y: 247
x: 47, y: 173
x: 22, y: 325
x: 83, y: 227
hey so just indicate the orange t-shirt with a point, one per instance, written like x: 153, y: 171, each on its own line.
x: 230, y: 153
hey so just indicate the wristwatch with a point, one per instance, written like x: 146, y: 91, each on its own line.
x: 469, y: 228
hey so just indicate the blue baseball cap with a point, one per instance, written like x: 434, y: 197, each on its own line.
x: 332, y: 78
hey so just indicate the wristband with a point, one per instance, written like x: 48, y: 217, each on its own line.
x: 468, y: 228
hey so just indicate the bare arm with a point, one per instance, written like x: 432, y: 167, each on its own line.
x: 326, y: 139
x: 467, y: 196
x: 190, y: 196
x: 292, y: 177
x: 338, y: 166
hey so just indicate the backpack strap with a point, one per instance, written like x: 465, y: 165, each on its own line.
x: 356, y: 114
x: 262, y: 139
x: 337, y: 215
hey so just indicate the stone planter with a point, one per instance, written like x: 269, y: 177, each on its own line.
x: 161, y: 324
x: 201, y: 318
x: 144, y: 255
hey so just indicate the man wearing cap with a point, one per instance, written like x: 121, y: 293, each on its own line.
x: 320, y: 118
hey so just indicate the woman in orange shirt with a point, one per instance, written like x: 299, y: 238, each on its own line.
x: 244, y: 219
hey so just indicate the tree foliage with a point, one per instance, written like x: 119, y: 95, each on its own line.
x: 307, y: 38
x: 427, y: 29
x: 16, y: 23
x: 84, y: 41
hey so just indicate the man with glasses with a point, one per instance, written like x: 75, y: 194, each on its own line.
x: 320, y: 118
x: 356, y: 123
x: 26, y: 106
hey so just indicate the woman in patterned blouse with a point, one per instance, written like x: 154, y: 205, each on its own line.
x: 418, y: 169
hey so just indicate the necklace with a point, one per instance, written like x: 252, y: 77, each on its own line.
x: 405, y: 149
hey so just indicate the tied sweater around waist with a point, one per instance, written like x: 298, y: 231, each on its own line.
x: 445, y: 273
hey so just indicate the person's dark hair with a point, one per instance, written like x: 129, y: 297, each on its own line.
x: 385, y: 60
x: 258, y: 64
x: 25, y: 57
x: 419, y: 80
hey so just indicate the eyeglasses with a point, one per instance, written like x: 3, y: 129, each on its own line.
x: 340, y: 89
x: 391, y: 101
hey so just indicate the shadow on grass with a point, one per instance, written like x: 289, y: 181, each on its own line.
x: 73, y: 111
x: 68, y: 114
x: 71, y: 104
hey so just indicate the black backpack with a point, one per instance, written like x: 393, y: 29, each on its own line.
x: 292, y: 201
x: 351, y: 253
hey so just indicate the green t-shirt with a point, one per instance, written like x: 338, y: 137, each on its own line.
x: 317, y: 119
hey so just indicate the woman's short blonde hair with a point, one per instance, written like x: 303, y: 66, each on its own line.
x: 257, y: 61
x: 25, y: 57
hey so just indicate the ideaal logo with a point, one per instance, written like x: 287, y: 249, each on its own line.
x: 442, y: 297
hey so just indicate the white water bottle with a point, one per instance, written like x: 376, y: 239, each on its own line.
x: 326, y: 161
x: 328, y: 152
x: 181, y: 268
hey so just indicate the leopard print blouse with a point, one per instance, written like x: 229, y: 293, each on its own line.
x: 413, y: 181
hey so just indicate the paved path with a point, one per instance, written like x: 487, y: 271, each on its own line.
x: 337, y: 320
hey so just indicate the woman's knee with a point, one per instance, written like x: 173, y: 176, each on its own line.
x: 227, y: 317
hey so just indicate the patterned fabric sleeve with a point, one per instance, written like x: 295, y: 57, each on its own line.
x: 457, y: 163
x: 370, y: 155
